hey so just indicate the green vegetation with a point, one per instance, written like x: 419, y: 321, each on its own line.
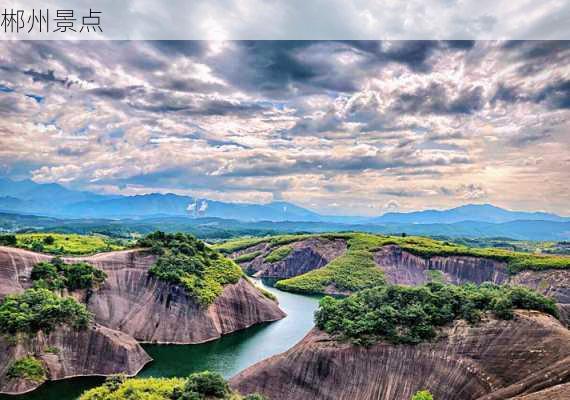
x: 278, y: 254
x: 198, y: 386
x: 247, y: 257
x: 40, y: 309
x: 422, y: 395
x: 59, y: 244
x: 355, y: 270
x: 187, y: 261
x: 436, y: 275
x: 57, y: 275
x: 234, y: 245
x: 411, y: 315
x: 516, y: 261
x: 8, y: 240
x: 29, y: 368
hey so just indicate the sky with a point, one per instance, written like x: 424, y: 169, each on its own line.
x: 315, y: 19
x: 341, y: 127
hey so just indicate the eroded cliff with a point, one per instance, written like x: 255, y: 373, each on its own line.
x: 486, y: 361
x: 149, y: 309
x: 404, y: 268
x: 306, y: 255
x: 67, y: 352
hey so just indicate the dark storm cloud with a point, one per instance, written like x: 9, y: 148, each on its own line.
x: 286, y: 68
x: 110, y: 92
x: 436, y: 99
x: 187, y: 48
x: 536, y: 56
x: 555, y: 95
x: 159, y: 101
x: 48, y: 76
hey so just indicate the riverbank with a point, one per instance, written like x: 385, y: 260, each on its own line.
x: 228, y: 355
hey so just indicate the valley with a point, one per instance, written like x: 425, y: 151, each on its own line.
x: 173, y: 306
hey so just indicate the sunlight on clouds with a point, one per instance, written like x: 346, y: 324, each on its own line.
x: 344, y: 127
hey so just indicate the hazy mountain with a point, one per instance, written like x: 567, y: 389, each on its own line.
x: 55, y: 200
x: 47, y: 193
x: 216, y: 228
x: 469, y: 212
x: 28, y: 197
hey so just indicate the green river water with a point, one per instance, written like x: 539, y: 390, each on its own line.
x: 228, y: 355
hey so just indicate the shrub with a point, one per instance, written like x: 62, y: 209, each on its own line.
x: 198, y: 386
x: 149, y: 388
x: 40, y: 309
x: 411, y: 314
x: 8, y: 240
x: 29, y: 368
x: 49, y: 240
x: 58, y: 275
x: 356, y: 269
x: 187, y: 261
x: 422, y: 395
x: 206, y: 384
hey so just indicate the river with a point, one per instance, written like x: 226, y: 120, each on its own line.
x: 228, y: 355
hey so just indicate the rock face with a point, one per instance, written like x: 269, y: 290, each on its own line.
x: 155, y: 311
x: 129, y: 306
x: 493, y: 360
x: 148, y: 309
x: 66, y: 352
x: 15, y: 268
x: 404, y: 268
x: 306, y: 255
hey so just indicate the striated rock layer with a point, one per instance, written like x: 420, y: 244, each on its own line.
x: 493, y: 360
x: 404, y: 268
x: 306, y: 255
x: 66, y: 353
x: 148, y: 309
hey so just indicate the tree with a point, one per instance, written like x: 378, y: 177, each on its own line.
x: 207, y: 384
x: 8, y: 240
x: 49, y: 240
x: 422, y: 395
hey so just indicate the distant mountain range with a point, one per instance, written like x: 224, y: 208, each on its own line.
x: 469, y: 212
x: 54, y: 200
x: 218, y: 228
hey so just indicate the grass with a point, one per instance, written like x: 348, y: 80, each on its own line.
x: 231, y: 246
x: 516, y: 261
x: 247, y: 257
x: 278, y: 254
x: 29, y: 368
x: 66, y: 244
x: 355, y: 270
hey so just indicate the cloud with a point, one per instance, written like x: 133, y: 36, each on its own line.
x: 354, y: 123
x: 436, y: 99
